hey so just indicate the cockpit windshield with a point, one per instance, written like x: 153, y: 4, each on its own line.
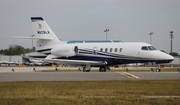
x: 148, y: 48
x: 151, y: 48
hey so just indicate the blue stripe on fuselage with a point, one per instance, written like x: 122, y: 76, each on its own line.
x: 110, y: 61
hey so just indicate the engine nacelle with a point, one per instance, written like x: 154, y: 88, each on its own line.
x: 65, y: 50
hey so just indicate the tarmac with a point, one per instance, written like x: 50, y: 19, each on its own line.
x: 14, y: 74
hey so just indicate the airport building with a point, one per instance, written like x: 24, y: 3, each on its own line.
x: 14, y: 58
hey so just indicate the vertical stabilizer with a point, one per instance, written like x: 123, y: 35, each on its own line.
x: 42, y: 31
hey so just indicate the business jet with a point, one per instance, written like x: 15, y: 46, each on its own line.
x: 92, y: 53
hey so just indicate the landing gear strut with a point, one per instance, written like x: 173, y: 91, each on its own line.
x: 86, y: 68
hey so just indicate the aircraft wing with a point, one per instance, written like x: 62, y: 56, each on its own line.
x: 51, y: 59
x: 75, y: 62
x: 28, y: 57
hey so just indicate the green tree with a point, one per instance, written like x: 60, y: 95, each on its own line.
x: 174, y: 54
x: 15, y: 50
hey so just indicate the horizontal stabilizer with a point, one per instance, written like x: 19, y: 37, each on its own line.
x: 28, y: 57
x: 22, y: 37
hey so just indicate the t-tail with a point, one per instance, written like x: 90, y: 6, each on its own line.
x: 45, y: 37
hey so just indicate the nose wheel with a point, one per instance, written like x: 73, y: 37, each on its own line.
x: 158, y: 70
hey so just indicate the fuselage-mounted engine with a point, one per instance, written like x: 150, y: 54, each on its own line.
x: 65, y: 50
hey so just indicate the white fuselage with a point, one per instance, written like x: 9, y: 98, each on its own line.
x: 112, y: 53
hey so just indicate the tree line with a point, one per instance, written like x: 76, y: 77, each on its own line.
x: 174, y: 54
x: 15, y: 50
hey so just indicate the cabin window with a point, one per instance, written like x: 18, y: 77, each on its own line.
x: 95, y: 50
x: 115, y: 50
x: 120, y: 50
x: 144, y: 48
x: 101, y: 50
x: 106, y: 49
x: 111, y: 49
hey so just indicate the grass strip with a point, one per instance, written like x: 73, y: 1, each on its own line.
x: 90, y: 92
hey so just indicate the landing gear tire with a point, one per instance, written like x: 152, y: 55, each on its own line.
x: 158, y: 70
x: 102, y: 69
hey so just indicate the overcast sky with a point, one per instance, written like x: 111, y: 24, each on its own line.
x: 128, y: 20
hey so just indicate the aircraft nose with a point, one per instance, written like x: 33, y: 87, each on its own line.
x: 171, y: 57
x: 168, y: 57
x: 164, y: 58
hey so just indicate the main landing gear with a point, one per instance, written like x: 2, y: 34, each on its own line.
x: 87, y: 68
x: 102, y: 69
